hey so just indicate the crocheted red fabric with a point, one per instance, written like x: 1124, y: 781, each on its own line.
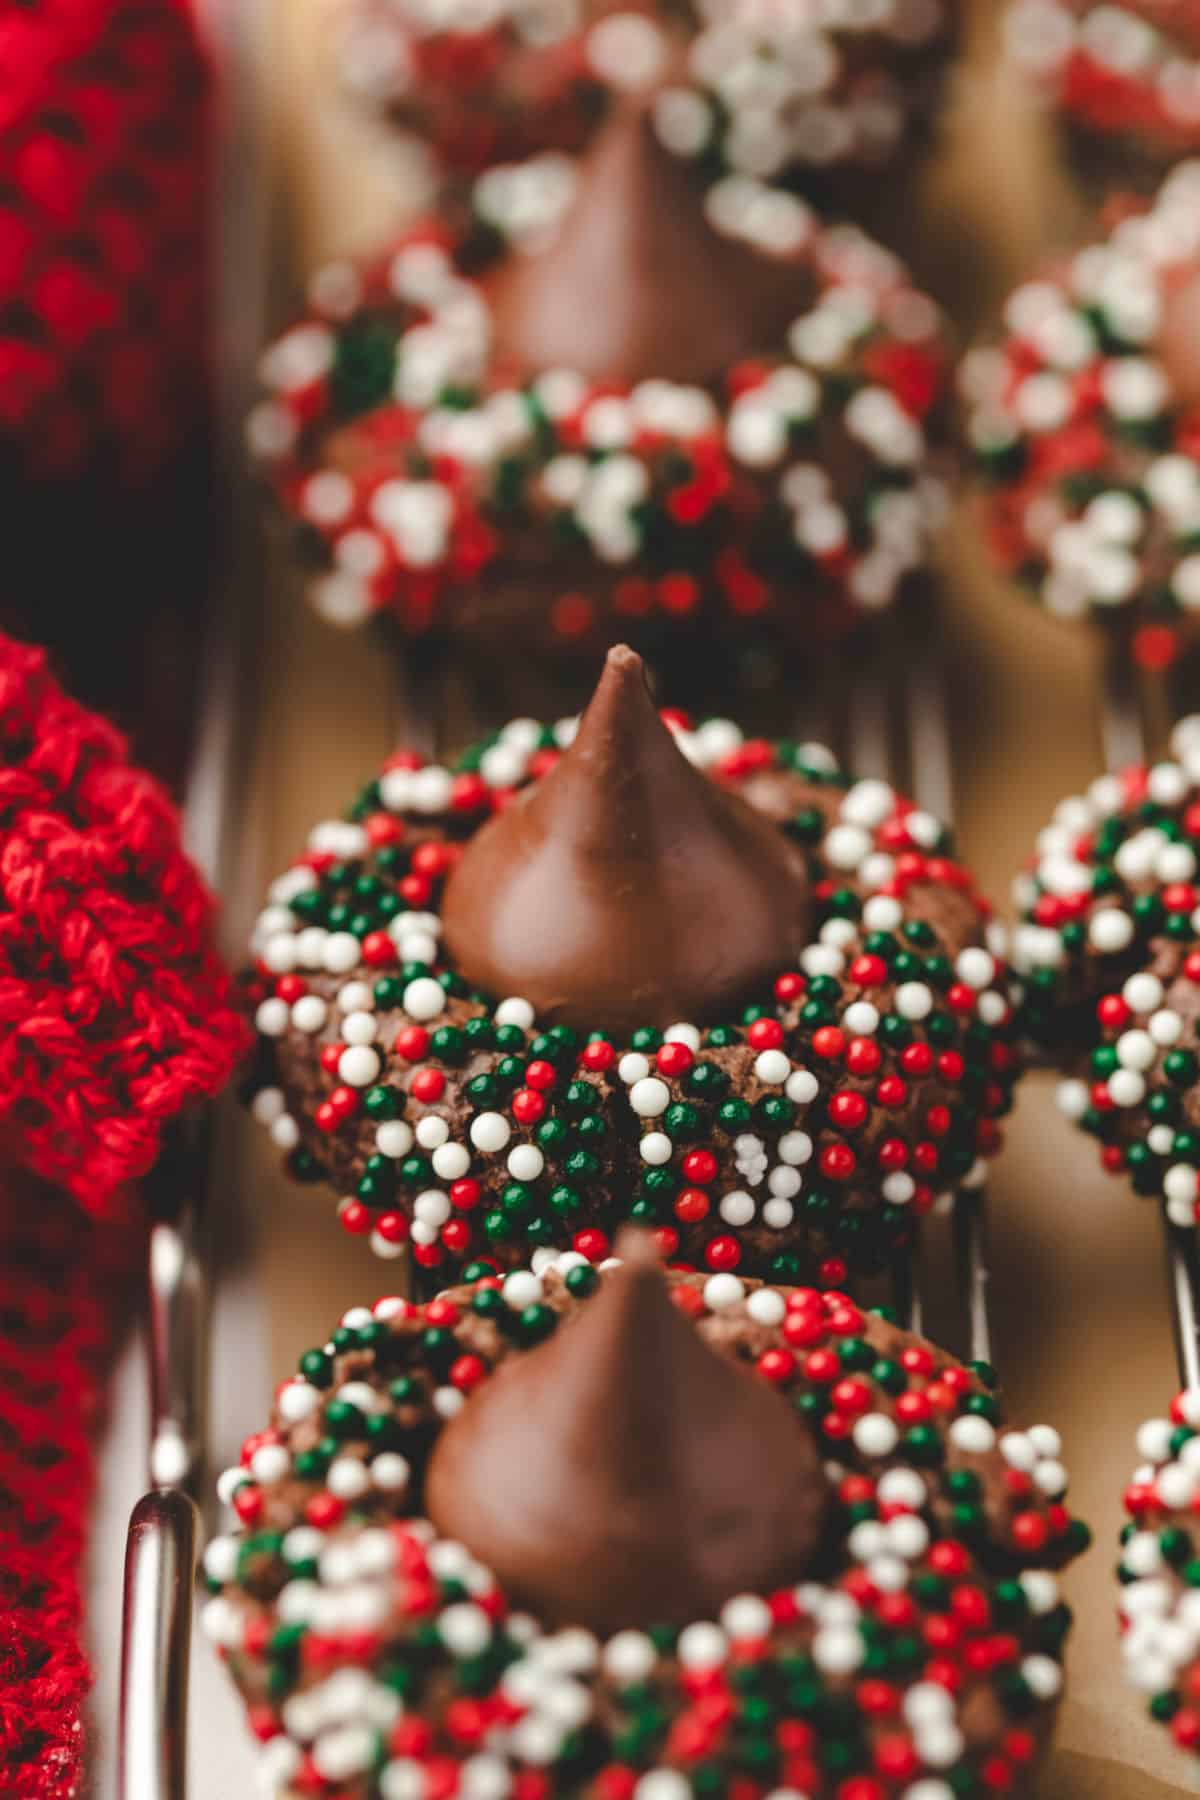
x: 63, y: 1281
x: 114, y: 1008
x: 103, y: 123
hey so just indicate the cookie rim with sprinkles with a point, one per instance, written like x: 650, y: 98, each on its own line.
x: 1112, y: 71
x: 669, y: 499
x: 968, y: 1608
x: 867, y: 1110
x: 1107, y: 948
x: 1086, y: 453
x: 1158, y: 1570
x: 762, y: 96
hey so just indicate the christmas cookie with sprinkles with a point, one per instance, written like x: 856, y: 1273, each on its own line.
x: 774, y: 1541
x: 1124, y: 76
x: 1084, y: 422
x: 1159, y: 1571
x: 1109, y: 953
x: 787, y: 95
x: 468, y: 444
x: 632, y: 970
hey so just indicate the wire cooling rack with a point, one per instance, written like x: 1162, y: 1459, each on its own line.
x: 889, y: 720
x: 160, y: 1562
x: 894, y: 726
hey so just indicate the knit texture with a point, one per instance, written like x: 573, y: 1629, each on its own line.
x: 103, y: 137
x: 63, y: 1281
x: 114, y: 1017
x: 114, y: 1008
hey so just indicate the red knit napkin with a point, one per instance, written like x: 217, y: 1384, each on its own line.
x: 64, y: 1279
x: 115, y: 1015
x: 115, y: 1010
x: 103, y: 186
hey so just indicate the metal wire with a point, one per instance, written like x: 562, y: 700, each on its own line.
x: 926, y: 764
x: 160, y: 1548
x: 931, y: 773
x: 1183, y: 1278
x: 905, y: 1278
x: 161, y: 1543
x: 1122, y: 728
x: 1125, y: 738
x: 160, y: 1559
x: 969, y: 1226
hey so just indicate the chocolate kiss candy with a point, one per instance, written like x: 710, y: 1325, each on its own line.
x: 636, y: 285
x: 625, y: 888
x: 624, y: 1474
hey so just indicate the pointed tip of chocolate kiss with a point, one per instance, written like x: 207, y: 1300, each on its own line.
x: 625, y: 1474
x: 635, y: 1248
x: 622, y: 663
x: 622, y: 702
x: 626, y: 888
x: 636, y: 284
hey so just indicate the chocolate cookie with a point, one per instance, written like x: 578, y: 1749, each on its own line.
x: 844, y: 1044
x: 1082, y: 421
x: 786, y: 94
x: 1124, y: 75
x: 1110, y: 953
x: 913, y: 1645
x: 471, y: 446
x: 1159, y: 1571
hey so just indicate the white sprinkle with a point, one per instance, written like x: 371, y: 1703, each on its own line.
x: 526, y: 1162
x: 341, y: 953
x: 394, y: 1138
x: 772, y: 1067
x: 272, y: 1018
x: 702, y: 1646
x: 629, y: 1658
x: 766, y: 1307
x: 1110, y: 930
x: 347, y: 1478
x: 973, y: 1435
x: 515, y: 1011
x: 913, y: 1000
x: 309, y: 1013
x: 358, y: 1066
x: 424, y: 998
x: 359, y: 1028
x: 649, y: 1097
x: 876, y: 1435
x: 268, y: 1105
x: 722, y: 1292
x: 1143, y: 993
x: 390, y: 1472
x: 490, y: 1131
x: 802, y: 1087
x: 737, y: 1208
x: 522, y: 1289
x: 656, y: 1148
x: 451, y: 1161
